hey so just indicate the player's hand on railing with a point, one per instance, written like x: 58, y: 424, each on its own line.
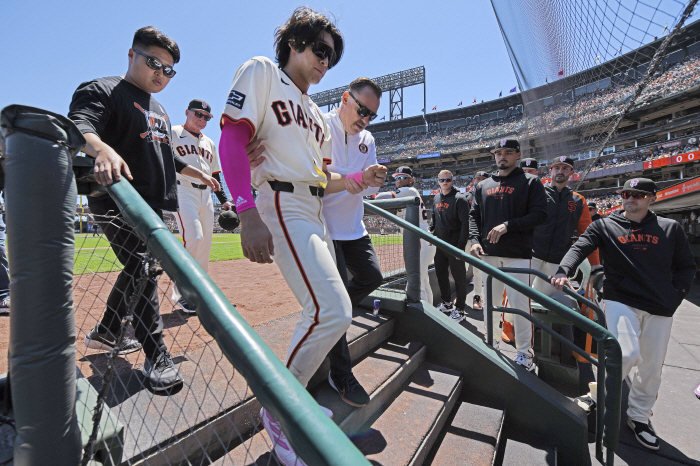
x: 254, y: 149
x: 559, y: 281
x: 353, y: 186
x: 256, y: 240
x: 374, y: 175
x: 476, y: 250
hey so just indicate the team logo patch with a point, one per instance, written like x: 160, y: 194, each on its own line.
x: 528, y: 162
x: 572, y: 206
x: 236, y: 99
x: 363, y: 148
x: 562, y: 158
x: 204, y: 105
x: 503, y: 142
x: 634, y: 183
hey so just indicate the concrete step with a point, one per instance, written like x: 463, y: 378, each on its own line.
x: 405, y: 432
x: 229, y: 411
x: 381, y: 373
x: 471, y: 438
x: 521, y: 454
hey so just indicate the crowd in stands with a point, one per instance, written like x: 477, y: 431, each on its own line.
x: 643, y: 155
x: 580, y: 110
x: 606, y: 201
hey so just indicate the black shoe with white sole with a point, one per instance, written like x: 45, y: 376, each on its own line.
x: 185, y: 307
x: 349, y: 389
x: 585, y: 402
x: 161, y: 373
x: 645, y: 434
x: 105, y: 341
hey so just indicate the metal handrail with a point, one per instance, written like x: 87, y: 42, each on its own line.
x: 609, y: 348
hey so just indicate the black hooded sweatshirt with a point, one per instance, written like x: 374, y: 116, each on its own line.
x: 451, y: 218
x: 518, y: 201
x: 648, y: 265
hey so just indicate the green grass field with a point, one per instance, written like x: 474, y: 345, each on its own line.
x: 93, y: 254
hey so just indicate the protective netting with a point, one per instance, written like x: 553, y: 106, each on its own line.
x: 387, y: 239
x: 211, y: 417
x: 582, y: 66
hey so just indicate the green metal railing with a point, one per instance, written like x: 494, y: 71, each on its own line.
x: 314, y: 436
x: 609, y: 348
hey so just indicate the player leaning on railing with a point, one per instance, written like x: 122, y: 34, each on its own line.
x: 649, y: 268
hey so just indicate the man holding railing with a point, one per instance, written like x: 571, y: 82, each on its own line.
x: 649, y: 268
x: 506, y: 209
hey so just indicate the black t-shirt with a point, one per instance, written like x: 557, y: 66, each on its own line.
x: 137, y: 127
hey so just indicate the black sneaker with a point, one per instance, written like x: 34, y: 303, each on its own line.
x: 585, y: 402
x: 161, y: 373
x: 186, y: 307
x: 644, y: 433
x: 105, y: 341
x: 349, y: 389
x: 445, y: 307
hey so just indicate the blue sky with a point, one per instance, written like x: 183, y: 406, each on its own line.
x: 51, y: 47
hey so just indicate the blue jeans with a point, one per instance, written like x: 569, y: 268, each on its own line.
x: 4, y: 269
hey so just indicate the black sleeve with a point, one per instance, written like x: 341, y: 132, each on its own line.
x: 475, y: 218
x: 91, y: 108
x: 588, y: 242
x: 463, y: 214
x: 180, y: 164
x: 536, y: 209
x: 220, y: 194
x: 431, y: 227
x: 683, y: 263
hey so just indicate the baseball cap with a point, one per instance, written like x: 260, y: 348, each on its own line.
x: 506, y: 144
x: 563, y: 159
x: 592, y: 205
x: 528, y: 163
x: 482, y: 174
x: 642, y: 185
x: 403, y: 171
x: 200, y: 105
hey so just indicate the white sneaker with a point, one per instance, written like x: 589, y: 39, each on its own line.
x: 456, y: 315
x: 445, y: 307
x: 525, y: 361
x: 283, y: 450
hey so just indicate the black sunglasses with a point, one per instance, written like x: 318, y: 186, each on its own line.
x: 634, y: 194
x: 445, y: 180
x: 363, y: 111
x: 202, y: 115
x: 324, y: 52
x: 155, y: 64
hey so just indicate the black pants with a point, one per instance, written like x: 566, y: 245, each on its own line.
x: 359, y: 257
x: 443, y: 261
x: 129, y: 249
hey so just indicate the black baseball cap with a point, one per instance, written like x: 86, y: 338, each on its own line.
x: 200, y: 105
x: 403, y: 171
x: 592, y: 205
x: 528, y: 163
x: 642, y: 185
x: 563, y: 159
x: 482, y: 174
x: 506, y: 144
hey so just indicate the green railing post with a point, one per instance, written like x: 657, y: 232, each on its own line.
x: 314, y: 436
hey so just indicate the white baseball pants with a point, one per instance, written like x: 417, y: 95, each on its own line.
x: 550, y: 269
x: 195, y: 220
x: 643, y: 338
x: 516, y: 300
x: 427, y: 254
x: 304, y: 254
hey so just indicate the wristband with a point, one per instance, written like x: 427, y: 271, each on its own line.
x: 356, y: 177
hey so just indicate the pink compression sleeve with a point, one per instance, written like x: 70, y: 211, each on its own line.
x: 234, y: 163
x: 356, y: 177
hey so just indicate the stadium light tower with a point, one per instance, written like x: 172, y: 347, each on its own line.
x: 393, y: 83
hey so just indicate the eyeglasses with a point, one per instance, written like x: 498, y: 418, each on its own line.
x: 634, y: 195
x: 363, y: 111
x: 155, y: 64
x: 445, y: 180
x: 202, y: 115
x: 324, y: 52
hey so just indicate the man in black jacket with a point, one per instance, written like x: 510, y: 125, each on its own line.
x: 450, y: 223
x: 649, y: 269
x: 505, y: 211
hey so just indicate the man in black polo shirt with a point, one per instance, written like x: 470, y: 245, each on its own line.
x: 506, y: 209
x: 128, y: 132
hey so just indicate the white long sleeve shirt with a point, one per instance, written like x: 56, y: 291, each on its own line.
x: 350, y: 154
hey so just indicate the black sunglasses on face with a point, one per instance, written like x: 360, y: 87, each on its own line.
x: 634, y: 194
x: 155, y: 64
x: 324, y: 52
x: 363, y: 111
x: 202, y: 115
x: 445, y: 180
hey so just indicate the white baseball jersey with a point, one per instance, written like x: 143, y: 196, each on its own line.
x: 200, y: 152
x: 285, y: 118
x: 351, y: 154
x: 408, y: 192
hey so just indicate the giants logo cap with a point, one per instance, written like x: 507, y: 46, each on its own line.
x: 507, y: 144
x: 528, y: 163
x: 404, y: 171
x: 642, y: 185
x: 482, y: 174
x: 563, y: 159
x: 200, y: 105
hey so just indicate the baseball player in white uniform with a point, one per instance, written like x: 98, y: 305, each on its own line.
x: 269, y: 107
x: 195, y: 218
x: 404, y: 188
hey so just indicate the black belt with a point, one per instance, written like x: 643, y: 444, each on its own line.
x: 289, y: 188
x: 195, y: 185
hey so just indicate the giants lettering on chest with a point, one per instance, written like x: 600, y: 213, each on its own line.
x: 441, y: 206
x: 500, y: 191
x: 638, y: 240
x: 190, y: 149
x: 285, y: 118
